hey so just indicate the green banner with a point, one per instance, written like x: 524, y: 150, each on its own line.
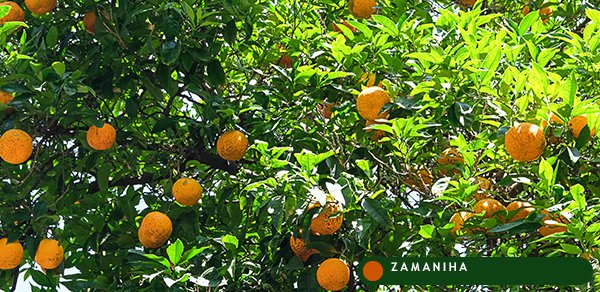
x: 475, y: 271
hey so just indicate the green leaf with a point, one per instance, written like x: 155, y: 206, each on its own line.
x: 4, y: 10
x: 158, y: 259
x: 103, y: 176
x: 427, y: 231
x: 527, y: 21
x: 593, y: 14
x: 309, y: 160
x: 570, y: 249
x: 388, y: 25
x: 163, y: 124
x: 491, y: 63
x: 545, y: 171
x: 578, y: 193
x: 230, y: 32
x: 40, y: 277
x: 175, y: 250
x: 231, y: 242
x: 376, y: 211
x: 215, y: 73
x: 51, y: 37
x: 59, y: 68
x: 170, y: 51
x: 569, y: 90
x: 190, y: 254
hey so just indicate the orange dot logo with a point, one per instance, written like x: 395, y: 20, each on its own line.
x: 373, y: 271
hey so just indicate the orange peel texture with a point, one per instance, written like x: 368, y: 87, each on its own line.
x: 16, y: 146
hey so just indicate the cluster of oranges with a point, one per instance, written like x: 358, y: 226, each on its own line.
x: 16, y: 13
x: 156, y: 227
x: 16, y: 146
x: 333, y: 274
x: 551, y: 223
x: 49, y: 254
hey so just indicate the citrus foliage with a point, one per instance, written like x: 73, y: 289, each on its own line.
x: 121, y: 99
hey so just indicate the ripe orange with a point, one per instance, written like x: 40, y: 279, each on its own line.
x: 362, y: 8
x: 450, y: 156
x: 232, y: 145
x: 299, y: 248
x: 101, y: 138
x: 525, y: 142
x: 5, y: 97
x: 89, y: 22
x: 378, y: 134
x: 49, y: 254
x: 490, y: 206
x: 16, y: 146
x: 345, y: 23
x: 425, y: 178
x: 524, y: 207
x: 484, y: 186
x: 370, y: 102
x: 551, y: 224
x: 187, y: 191
x: 576, y: 124
x: 155, y: 230
x: 11, y: 254
x: 467, y: 3
x: 459, y: 221
x: 329, y: 221
x: 16, y: 13
x: 552, y: 119
x: 40, y: 6
x: 333, y: 274
x: 285, y: 61
x: 324, y: 109
x: 545, y: 13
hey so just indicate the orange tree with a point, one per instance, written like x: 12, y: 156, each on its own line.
x: 101, y: 113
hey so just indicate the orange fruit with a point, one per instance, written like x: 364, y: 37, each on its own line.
x: 325, y: 223
x: 490, y: 206
x: 333, y: 274
x: 552, y: 119
x: 370, y: 102
x: 545, y: 13
x: 467, y: 3
x: 232, y: 145
x: 525, y: 142
x: 11, y: 254
x: 324, y: 109
x: 16, y: 13
x: 49, y: 254
x: 450, y: 156
x: 550, y: 223
x: 484, y: 186
x: 101, y: 138
x: 16, y: 146
x: 89, y: 22
x: 378, y: 134
x: 362, y: 8
x: 459, y: 221
x: 576, y: 124
x: 424, y: 178
x: 285, y: 61
x: 40, y: 6
x: 155, y: 230
x: 299, y: 248
x: 5, y: 97
x: 524, y: 207
x: 187, y: 191
x: 345, y: 23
